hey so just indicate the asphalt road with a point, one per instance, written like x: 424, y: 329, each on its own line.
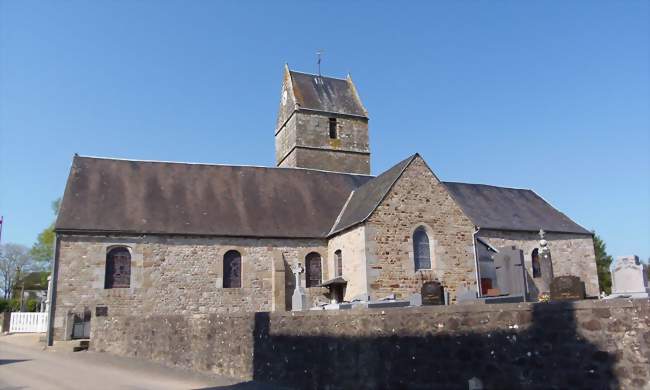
x: 25, y: 365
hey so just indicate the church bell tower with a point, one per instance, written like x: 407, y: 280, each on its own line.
x: 322, y: 124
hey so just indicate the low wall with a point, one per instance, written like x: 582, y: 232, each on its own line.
x: 587, y: 344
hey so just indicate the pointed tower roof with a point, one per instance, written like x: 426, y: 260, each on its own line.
x: 327, y: 94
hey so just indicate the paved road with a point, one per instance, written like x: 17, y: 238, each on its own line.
x: 25, y: 365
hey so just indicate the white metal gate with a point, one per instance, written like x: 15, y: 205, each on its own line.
x: 28, y: 322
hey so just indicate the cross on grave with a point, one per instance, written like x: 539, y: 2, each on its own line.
x: 297, y: 270
x: 543, y: 244
x: 546, y: 264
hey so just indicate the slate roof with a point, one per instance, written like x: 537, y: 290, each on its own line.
x: 145, y: 197
x: 108, y: 195
x: 500, y: 208
x: 328, y: 94
x: 366, y: 198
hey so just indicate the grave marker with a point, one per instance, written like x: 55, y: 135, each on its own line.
x: 567, y: 288
x: 432, y: 294
x: 629, y: 278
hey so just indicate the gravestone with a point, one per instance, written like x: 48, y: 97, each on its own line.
x: 567, y: 288
x: 511, y: 275
x: 629, y: 278
x: 466, y: 295
x: 474, y: 384
x: 299, y: 298
x: 546, y: 266
x: 415, y: 299
x: 433, y: 293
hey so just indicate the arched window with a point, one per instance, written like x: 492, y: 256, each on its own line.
x: 421, y: 252
x: 537, y: 268
x: 232, y: 269
x: 118, y: 268
x: 338, y: 259
x: 313, y: 270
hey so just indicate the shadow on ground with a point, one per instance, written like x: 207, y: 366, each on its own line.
x: 11, y: 361
x: 247, y: 386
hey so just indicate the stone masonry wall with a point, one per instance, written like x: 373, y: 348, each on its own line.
x: 352, y: 245
x: 309, y: 132
x: 571, y: 254
x: 418, y: 198
x: 587, y: 344
x: 329, y: 160
x: 179, y: 275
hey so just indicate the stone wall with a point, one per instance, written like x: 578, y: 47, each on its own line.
x: 418, y: 199
x: 587, y: 344
x: 180, y: 275
x: 352, y: 244
x: 571, y: 254
x: 329, y: 160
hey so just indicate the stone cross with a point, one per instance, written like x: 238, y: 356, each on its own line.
x: 297, y: 270
x: 299, y: 298
x: 543, y: 243
x: 546, y: 265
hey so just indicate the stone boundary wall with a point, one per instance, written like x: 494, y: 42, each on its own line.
x: 587, y: 344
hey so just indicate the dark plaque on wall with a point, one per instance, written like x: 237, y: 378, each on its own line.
x: 432, y: 294
x: 567, y: 288
x: 101, y: 311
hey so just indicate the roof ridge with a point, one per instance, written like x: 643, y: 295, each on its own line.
x: 318, y: 75
x: 220, y: 165
x: 488, y: 185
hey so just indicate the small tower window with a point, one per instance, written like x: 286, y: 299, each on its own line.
x: 333, y: 130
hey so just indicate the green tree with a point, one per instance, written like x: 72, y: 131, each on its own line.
x: 14, y: 260
x: 43, y: 249
x: 603, y: 261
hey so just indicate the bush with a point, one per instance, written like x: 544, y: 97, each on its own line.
x: 14, y: 305
x: 31, y: 305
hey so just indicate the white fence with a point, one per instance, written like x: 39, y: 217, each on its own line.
x: 28, y: 322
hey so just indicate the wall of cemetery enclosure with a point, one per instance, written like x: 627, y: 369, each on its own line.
x: 571, y: 254
x: 584, y: 344
x: 176, y: 274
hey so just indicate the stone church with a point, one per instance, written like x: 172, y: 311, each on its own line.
x: 151, y: 237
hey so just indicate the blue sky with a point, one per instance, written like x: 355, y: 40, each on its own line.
x: 553, y: 96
